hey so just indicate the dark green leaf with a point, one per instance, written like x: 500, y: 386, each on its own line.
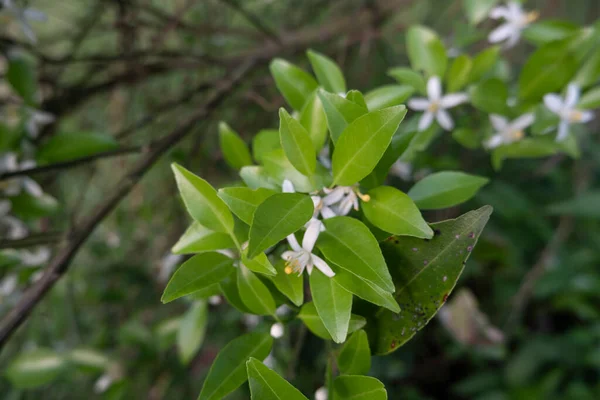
x: 584, y: 205
x: 364, y: 289
x: 445, y: 189
x: 229, y: 287
x: 333, y: 304
x: 66, y: 146
x: 526, y: 148
x: 358, y: 387
x: 244, y: 201
x: 198, y: 239
x: 291, y: 285
x: 279, y: 168
x: 490, y: 96
x: 254, y: 294
x: 28, y: 207
x: 259, y: 264
x: 308, y: 314
x: 192, y: 329
x: 467, y: 137
x: 21, y: 76
x: 355, y: 356
x: 266, y: 384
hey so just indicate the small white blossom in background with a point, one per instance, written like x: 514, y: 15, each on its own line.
x: 566, y: 110
x: 13, y: 186
x: 250, y: 320
x: 33, y: 258
x: 321, y: 393
x: 516, y: 20
x: 508, y: 132
x: 35, y: 120
x: 270, y: 361
x: 324, y: 157
x: 215, y: 300
x: 10, y: 227
x: 103, y: 383
x: 277, y: 330
x: 301, y: 257
x: 23, y: 16
x: 8, y: 285
x: 167, y: 265
x: 436, y: 104
x: 402, y: 170
x: 283, y: 310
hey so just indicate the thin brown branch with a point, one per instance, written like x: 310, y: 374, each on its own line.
x: 39, y: 239
x: 254, y: 20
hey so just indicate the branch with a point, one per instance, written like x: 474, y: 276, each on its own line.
x: 39, y: 239
x: 254, y: 20
x: 61, y: 261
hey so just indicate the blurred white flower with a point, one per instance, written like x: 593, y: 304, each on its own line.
x: 35, y: 120
x: 167, y: 265
x: 250, y: 320
x: 33, y: 258
x: 402, y: 170
x: 436, y: 104
x: 215, y: 300
x: 324, y: 157
x: 321, y: 393
x: 516, y: 20
x: 8, y: 285
x: 10, y: 227
x: 566, y: 110
x: 23, y: 17
x: 13, y: 186
x: 301, y: 257
x: 508, y: 131
x: 103, y: 383
x: 277, y: 330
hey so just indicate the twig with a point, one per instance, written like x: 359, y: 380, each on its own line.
x: 61, y: 261
x: 254, y: 20
x: 31, y: 240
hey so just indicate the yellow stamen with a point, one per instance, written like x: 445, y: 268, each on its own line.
x: 517, y: 135
x: 532, y: 16
x: 288, y: 270
x: 364, y: 197
x: 433, y: 107
x: 575, y: 116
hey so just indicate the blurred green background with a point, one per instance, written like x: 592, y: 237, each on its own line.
x: 135, y: 69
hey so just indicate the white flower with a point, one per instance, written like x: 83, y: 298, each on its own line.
x: 13, y: 186
x: 321, y: 393
x: 36, y: 257
x: 508, y: 132
x: 214, y: 300
x: 342, y: 199
x: 23, y: 16
x: 301, y: 257
x: 516, y: 20
x: 435, y: 105
x: 277, y: 330
x: 250, y: 320
x: 167, y: 265
x: 10, y: 227
x: 402, y: 170
x: 566, y: 110
x: 8, y: 285
x: 324, y: 157
x: 103, y: 383
x: 35, y: 120
x: 318, y: 203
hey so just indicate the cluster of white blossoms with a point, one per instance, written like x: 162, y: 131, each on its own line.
x: 338, y: 201
x: 516, y: 20
x: 23, y: 16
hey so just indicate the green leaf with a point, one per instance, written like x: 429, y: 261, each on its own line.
x: 259, y: 264
x: 254, y: 294
x: 192, y: 329
x: 526, y: 148
x: 294, y: 83
x: 209, y: 291
x: 277, y: 217
x: 393, y: 211
x: 589, y: 73
x: 313, y: 119
x: 244, y: 201
x: 357, y: 98
x: 425, y: 272
x: 478, y: 10
x: 333, y: 304
x: 266, y: 384
x: 362, y: 144
x: 291, y: 285
x: 198, y: 272
x: 350, y: 245
x: 547, y: 31
x: 202, y: 202
x: 328, y: 74
x: 265, y: 142
x: 28, y: 207
x: 235, y: 151
x: 297, y: 144
x: 198, y: 239
x: 459, y: 73
x: 256, y: 177
x: 388, y: 96
x: 548, y: 69
x: 409, y: 77
x: 339, y: 112
x: 467, y: 137
x: 89, y: 359
x: 66, y: 146
x: 590, y: 99
x: 35, y: 368
x: 279, y: 168
x: 445, y: 189
x: 490, y: 96
x: 308, y: 314
x: 358, y: 387
x: 364, y: 289
x: 229, y: 287
x: 426, y: 51
x: 483, y: 62
x: 22, y: 77
x: 584, y: 205
x: 228, y: 371
x: 355, y: 356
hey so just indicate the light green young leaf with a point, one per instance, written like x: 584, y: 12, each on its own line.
x: 350, y: 245
x: 425, y: 272
x: 478, y: 10
x: 66, y: 146
x: 22, y: 77
x: 339, y: 112
x: 264, y: 142
x: 333, y: 304
x: 266, y: 384
x: 526, y: 148
x: 259, y: 264
x: 198, y: 239
x: 426, y: 51
x: 393, y: 211
x: 388, y: 96
x: 192, y: 329
x: 243, y: 201
x: 254, y: 294
x: 279, y: 168
x: 277, y: 217
x: 295, y: 84
x: 355, y: 356
x: 89, y: 359
x: 483, y: 62
x: 235, y: 150
x: 198, y: 272
x: 482, y: 99
x: 297, y: 144
x: 590, y: 99
x: 358, y: 387
x: 409, y: 77
x: 328, y: 74
x: 308, y: 314
x: 547, y: 31
x: 459, y: 73
x: 364, y: 289
x: 362, y: 144
x: 291, y: 285
x: 357, y: 98
x: 445, y: 189
x: 209, y: 291
x: 202, y: 202
x: 228, y: 371
x: 35, y: 368
x: 589, y: 73
x: 256, y: 177
x: 313, y: 119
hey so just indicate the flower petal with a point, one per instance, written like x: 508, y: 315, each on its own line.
x: 554, y: 103
x: 513, y: 39
x: 445, y: 120
x: 563, y: 131
x: 419, y: 104
x: 322, y: 266
x: 499, y: 123
x: 334, y: 196
x: 288, y: 255
x: 586, y: 116
x: 572, y: 97
x: 434, y: 88
x: 501, y: 33
x: 494, y: 141
x: 327, y: 212
x: 522, y: 122
x: 287, y: 186
x: 5, y: 206
x: 32, y: 187
x: 499, y: 12
x: 311, y: 235
x: 294, y: 242
x: 453, y: 99
x: 425, y: 121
